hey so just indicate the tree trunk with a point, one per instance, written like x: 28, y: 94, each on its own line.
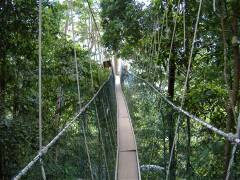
x: 233, y: 93
x: 171, y: 122
x: 188, y: 36
x: 2, y: 111
x: 188, y: 169
x: 235, y: 53
x: 57, y: 119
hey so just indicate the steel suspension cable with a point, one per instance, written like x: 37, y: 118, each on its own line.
x: 113, y: 122
x: 155, y: 132
x: 230, y: 164
x: 101, y: 139
x: 173, y: 37
x: 75, y: 55
x: 214, y: 5
x: 160, y: 43
x: 95, y: 105
x: 107, y: 127
x: 111, y: 119
x: 40, y: 84
x: 97, y: 36
x: 87, y: 150
x: 184, y: 88
x: 172, y: 40
x: 98, y: 121
x: 109, y: 124
x: 184, y: 25
x: 78, y: 87
x: 152, y: 47
x: 167, y: 74
x: 99, y: 128
x: 100, y: 132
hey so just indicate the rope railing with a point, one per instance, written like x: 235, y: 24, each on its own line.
x: 45, y: 149
x: 229, y: 136
x: 233, y: 138
x: 198, y: 147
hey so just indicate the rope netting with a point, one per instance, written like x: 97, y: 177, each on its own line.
x: 199, y: 146
x: 158, y: 67
x: 79, y: 147
x: 65, y: 157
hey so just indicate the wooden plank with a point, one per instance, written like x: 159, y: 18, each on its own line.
x: 127, y: 165
x: 126, y: 138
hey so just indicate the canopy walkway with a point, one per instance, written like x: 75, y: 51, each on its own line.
x: 126, y: 165
x: 129, y: 130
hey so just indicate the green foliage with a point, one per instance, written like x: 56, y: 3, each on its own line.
x: 211, y: 80
x: 123, y: 29
x: 149, y: 115
x: 19, y: 86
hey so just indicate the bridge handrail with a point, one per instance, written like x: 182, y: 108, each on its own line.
x: 54, y: 140
x: 229, y: 136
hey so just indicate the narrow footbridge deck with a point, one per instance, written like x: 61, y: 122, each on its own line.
x: 127, y: 166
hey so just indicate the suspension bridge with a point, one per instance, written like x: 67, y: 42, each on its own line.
x: 119, y: 153
x: 112, y: 141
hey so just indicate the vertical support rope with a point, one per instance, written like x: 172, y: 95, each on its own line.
x: 184, y: 25
x: 152, y: 47
x: 96, y: 111
x: 155, y: 131
x: 98, y: 34
x: 172, y: 40
x: 100, y: 56
x: 159, y: 45
x: 107, y: 126
x: 75, y: 56
x: 170, y: 53
x: 98, y: 123
x: 173, y: 36
x: 230, y: 164
x: 101, y: 139
x: 87, y: 150
x: 214, y: 5
x: 185, y: 88
x: 110, y: 115
x: 231, y: 161
x: 40, y: 83
x: 78, y: 87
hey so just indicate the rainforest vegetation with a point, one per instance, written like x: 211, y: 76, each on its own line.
x: 156, y: 39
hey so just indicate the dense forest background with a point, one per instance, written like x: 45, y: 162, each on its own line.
x: 143, y: 35
x: 19, y: 85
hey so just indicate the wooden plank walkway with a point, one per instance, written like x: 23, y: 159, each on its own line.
x: 127, y: 165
